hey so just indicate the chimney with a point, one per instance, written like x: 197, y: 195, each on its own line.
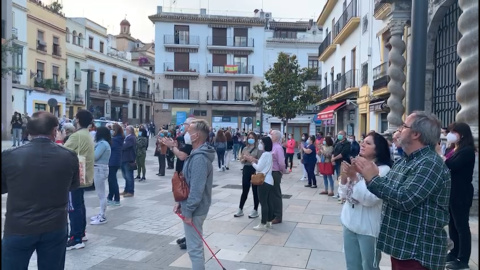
x: 159, y: 9
x: 203, y: 11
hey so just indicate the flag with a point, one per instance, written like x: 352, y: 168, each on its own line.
x: 231, y: 68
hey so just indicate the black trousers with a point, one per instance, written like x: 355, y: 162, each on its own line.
x: 287, y: 158
x: 277, y: 195
x: 267, y: 202
x: 248, y: 170
x: 459, y: 231
x: 310, y: 167
x: 161, y: 164
x: 221, y: 157
x: 170, y: 158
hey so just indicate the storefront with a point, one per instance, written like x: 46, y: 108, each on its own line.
x: 330, y: 120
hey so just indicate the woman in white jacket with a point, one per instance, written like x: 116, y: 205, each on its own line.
x: 265, y: 191
x: 361, y: 213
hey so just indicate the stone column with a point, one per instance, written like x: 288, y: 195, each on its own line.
x: 397, y: 75
x: 467, y: 70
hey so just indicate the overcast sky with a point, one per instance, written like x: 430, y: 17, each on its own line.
x: 109, y: 13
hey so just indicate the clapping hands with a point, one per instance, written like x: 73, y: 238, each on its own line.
x: 368, y: 169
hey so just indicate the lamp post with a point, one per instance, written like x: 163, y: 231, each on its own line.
x: 89, y: 86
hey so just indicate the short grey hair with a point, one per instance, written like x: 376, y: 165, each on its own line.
x: 132, y: 129
x: 276, y: 135
x: 428, y: 126
x: 202, y: 127
x: 69, y: 128
x: 189, y: 120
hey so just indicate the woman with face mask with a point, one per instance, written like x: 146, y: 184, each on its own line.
x: 250, y: 150
x: 461, y: 162
x: 142, y: 145
x: 302, y: 145
x: 325, y: 166
x: 309, y: 160
x: 161, y: 152
x: 290, y: 146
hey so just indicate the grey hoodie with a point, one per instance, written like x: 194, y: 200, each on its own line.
x: 198, y: 172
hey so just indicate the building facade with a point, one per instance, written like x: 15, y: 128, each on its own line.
x: 301, y: 39
x: 120, y: 89
x: 206, y: 66
x: 7, y: 107
x: 20, y: 78
x: 46, y: 70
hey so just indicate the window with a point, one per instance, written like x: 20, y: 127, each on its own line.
x: 285, y: 34
x: 242, y: 91
x: 134, y: 110
x: 102, y: 77
x: 147, y: 114
x: 181, y: 61
x: 383, y: 122
x: 17, y: 59
x: 124, y: 86
x: 134, y: 87
x: 56, y: 47
x: 67, y: 35
x: 199, y: 112
x: 219, y: 36
x: 101, y: 46
x: 365, y: 73
x: 240, y: 37
x: 40, y: 70
x: 74, y: 34
x: 242, y: 63
x: 312, y: 63
x: 77, y: 91
x: 80, y: 39
x: 90, y: 43
x: 40, y: 107
x: 55, y: 74
x: 219, y: 90
x: 181, y: 89
x: 181, y: 34
x: 41, y: 45
x: 365, y: 23
x: 114, y: 82
x: 219, y: 62
x: 143, y: 85
x: 77, y: 75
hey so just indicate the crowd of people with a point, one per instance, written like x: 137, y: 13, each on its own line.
x: 398, y: 193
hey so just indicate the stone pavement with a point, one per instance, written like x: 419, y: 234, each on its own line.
x: 141, y: 233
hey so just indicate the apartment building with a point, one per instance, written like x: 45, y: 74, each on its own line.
x: 302, y: 39
x: 206, y: 66
x: 7, y: 107
x: 120, y: 87
x: 46, y: 59
x: 20, y: 79
x: 353, y: 56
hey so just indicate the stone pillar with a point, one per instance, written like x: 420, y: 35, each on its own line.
x: 7, y: 104
x: 397, y: 75
x: 467, y: 70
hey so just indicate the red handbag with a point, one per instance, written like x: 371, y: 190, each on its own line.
x: 325, y: 168
x: 180, y: 188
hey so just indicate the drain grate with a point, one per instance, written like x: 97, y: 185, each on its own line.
x: 233, y: 186
x: 286, y: 196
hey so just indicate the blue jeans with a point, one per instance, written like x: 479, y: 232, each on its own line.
x: 78, y: 217
x: 127, y: 173
x: 360, y: 252
x: 330, y: 180
x: 51, y: 247
x: 113, y: 192
x: 236, y: 148
x: 337, y: 168
x: 16, y: 136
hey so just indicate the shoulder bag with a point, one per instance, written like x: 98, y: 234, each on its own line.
x: 82, y: 168
x: 180, y: 187
x: 259, y: 178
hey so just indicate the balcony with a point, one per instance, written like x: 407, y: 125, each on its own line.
x: 172, y: 69
x: 41, y: 46
x: 103, y: 87
x: 78, y: 99
x: 346, y: 84
x: 326, y: 48
x: 141, y: 95
x: 230, y: 71
x: 115, y: 91
x: 380, y: 79
x: 230, y: 43
x: 176, y: 41
x: 180, y: 95
x: 346, y: 24
x: 381, y: 9
x: 57, y: 51
x: 125, y: 91
x: 47, y: 84
x: 94, y: 86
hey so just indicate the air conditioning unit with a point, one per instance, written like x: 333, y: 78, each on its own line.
x: 268, y: 15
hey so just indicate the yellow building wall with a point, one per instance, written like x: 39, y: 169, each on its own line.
x: 363, y: 102
x: 51, y: 24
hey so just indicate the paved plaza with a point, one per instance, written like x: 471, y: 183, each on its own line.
x: 141, y: 233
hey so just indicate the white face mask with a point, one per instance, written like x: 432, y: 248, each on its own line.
x: 187, y: 138
x: 260, y: 146
x: 452, y: 138
x: 350, y: 140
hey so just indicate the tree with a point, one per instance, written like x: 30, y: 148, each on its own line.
x: 56, y: 7
x: 285, y: 94
x: 7, y: 50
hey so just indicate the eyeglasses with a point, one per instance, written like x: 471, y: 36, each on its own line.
x: 402, y: 127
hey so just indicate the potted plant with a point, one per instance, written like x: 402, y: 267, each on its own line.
x: 62, y: 84
x: 48, y: 84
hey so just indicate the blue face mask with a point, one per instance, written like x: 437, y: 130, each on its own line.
x: 139, y: 133
x: 340, y: 137
x: 251, y: 141
x: 324, y: 143
x: 182, y: 128
x: 169, y: 134
x: 162, y: 135
x: 112, y: 132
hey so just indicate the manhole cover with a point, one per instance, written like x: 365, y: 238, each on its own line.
x: 286, y: 196
x: 233, y: 186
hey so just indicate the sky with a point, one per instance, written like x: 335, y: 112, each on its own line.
x: 109, y: 13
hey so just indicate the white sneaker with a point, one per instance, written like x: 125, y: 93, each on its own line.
x: 219, y: 170
x: 99, y: 221
x: 233, y: 159
x: 260, y: 227
x: 239, y: 213
x: 269, y: 225
x: 95, y: 217
x: 303, y: 179
x: 253, y: 214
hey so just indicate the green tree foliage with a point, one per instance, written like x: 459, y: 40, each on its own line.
x: 56, y: 7
x: 7, y: 50
x: 285, y: 95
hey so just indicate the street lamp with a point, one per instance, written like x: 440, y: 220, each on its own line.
x: 89, y: 86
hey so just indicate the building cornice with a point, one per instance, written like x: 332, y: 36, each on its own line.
x: 207, y: 19
x: 293, y: 41
x: 81, y: 57
x: 289, y: 25
x: 63, y: 31
x: 109, y: 63
x: 96, y: 32
x: 22, y: 8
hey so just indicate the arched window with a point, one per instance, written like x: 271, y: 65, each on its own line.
x: 80, y: 39
x: 74, y: 34
x: 67, y: 35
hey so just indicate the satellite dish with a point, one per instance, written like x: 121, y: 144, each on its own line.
x: 52, y: 102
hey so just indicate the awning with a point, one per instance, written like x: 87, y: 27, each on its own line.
x: 327, y: 113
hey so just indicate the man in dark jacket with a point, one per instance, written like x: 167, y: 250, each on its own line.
x: 128, y: 160
x: 341, y: 151
x: 355, y: 146
x: 36, y: 217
